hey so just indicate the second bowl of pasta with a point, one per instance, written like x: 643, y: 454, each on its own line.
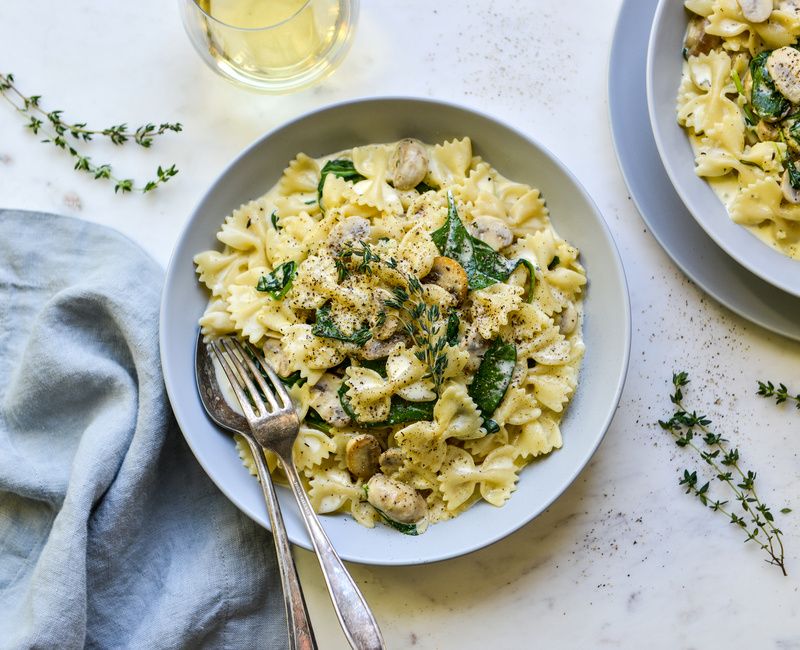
x: 724, y: 128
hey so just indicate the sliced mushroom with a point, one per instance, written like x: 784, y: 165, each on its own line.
x: 697, y: 39
x: 348, y: 231
x: 491, y: 230
x: 325, y: 400
x: 569, y: 319
x: 408, y: 164
x: 391, y: 460
x: 767, y: 132
x: 375, y: 349
x: 791, y: 194
x: 783, y: 66
x: 450, y: 275
x: 756, y: 11
x: 361, y: 455
x: 398, y: 501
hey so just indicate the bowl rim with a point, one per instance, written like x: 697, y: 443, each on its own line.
x: 621, y: 369
x: 755, y: 255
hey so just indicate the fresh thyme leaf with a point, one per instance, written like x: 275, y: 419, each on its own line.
x: 780, y: 393
x: 326, y: 327
x: 755, y: 520
x: 278, y: 283
x: 400, y: 412
x: 60, y: 133
x: 484, y: 266
x: 765, y: 99
x: 342, y: 168
x: 491, y: 380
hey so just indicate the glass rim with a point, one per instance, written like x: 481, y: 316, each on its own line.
x: 251, y: 29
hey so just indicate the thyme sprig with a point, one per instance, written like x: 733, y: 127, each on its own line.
x: 62, y: 135
x: 779, y: 392
x: 754, y: 518
x: 425, y: 324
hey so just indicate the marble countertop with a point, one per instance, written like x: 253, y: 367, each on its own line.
x: 623, y: 558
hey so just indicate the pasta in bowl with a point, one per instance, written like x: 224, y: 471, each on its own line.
x: 424, y: 314
x: 718, y: 76
x: 603, y: 327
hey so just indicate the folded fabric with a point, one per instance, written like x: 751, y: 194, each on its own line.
x: 111, y: 535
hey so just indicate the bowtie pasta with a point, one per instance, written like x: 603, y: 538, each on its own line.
x: 424, y: 314
x: 739, y: 101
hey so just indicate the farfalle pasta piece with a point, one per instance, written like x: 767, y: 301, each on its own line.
x: 536, y: 438
x: 218, y: 269
x: 300, y: 177
x: 495, y: 477
x: 310, y: 448
x: 308, y: 354
x: 332, y: 488
x: 491, y: 307
x: 256, y: 314
x: 450, y: 162
x: 710, y: 111
x: 553, y: 387
x: 372, y: 162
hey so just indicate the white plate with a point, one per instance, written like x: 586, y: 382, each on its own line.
x: 661, y: 208
x: 664, y: 64
x: 606, y: 333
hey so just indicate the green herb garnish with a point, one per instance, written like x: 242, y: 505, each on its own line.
x: 342, y: 168
x: 492, y: 379
x: 274, y: 219
x: 766, y: 101
x: 400, y: 412
x: 780, y: 393
x: 451, y: 334
x: 63, y: 135
x: 483, y: 265
x: 278, y: 283
x: 752, y: 120
x: 754, y: 518
x: 326, y: 327
x: 423, y: 187
x: 554, y: 263
x: 315, y: 421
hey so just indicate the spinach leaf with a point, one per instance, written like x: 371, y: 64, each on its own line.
x: 400, y: 412
x: 451, y: 333
x: 378, y: 365
x: 423, y: 187
x: 314, y: 420
x: 342, y: 168
x: 554, y: 263
x: 274, y: 219
x: 483, y: 265
x: 765, y: 99
x: 291, y: 380
x: 491, y: 381
x: 325, y: 327
x: 278, y: 283
x: 794, y: 173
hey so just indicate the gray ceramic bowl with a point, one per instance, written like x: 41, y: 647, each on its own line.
x: 664, y: 64
x: 606, y: 328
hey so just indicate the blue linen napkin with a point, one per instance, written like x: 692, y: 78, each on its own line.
x: 111, y: 534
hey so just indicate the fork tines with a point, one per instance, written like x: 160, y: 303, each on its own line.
x: 247, y: 372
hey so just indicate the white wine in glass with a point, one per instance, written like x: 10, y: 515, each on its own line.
x: 271, y: 45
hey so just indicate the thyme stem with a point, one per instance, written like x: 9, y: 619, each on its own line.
x: 59, y: 131
x: 684, y: 428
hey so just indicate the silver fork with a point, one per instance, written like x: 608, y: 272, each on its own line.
x: 276, y: 428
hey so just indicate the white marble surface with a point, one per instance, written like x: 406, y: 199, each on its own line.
x: 623, y: 558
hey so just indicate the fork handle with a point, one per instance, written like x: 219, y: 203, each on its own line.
x: 354, y: 615
x: 301, y: 636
